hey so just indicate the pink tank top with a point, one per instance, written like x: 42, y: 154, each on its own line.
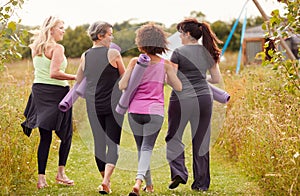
x: 149, y: 97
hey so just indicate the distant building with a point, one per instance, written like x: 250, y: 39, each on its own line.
x: 254, y: 40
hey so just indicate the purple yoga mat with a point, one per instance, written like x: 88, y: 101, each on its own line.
x: 133, y: 83
x: 115, y: 46
x: 67, y: 102
x: 78, y: 90
x: 81, y: 88
x: 219, y: 95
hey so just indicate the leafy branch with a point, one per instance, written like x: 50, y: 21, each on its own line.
x: 283, y: 27
x: 10, y: 36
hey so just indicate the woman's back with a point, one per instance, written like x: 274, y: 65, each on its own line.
x: 101, y: 78
x: 193, y: 62
x: 149, y: 96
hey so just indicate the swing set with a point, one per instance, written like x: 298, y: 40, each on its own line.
x: 266, y: 18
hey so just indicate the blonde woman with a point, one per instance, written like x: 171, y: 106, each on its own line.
x: 49, y: 87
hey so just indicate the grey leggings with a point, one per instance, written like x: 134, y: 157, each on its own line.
x: 145, y: 128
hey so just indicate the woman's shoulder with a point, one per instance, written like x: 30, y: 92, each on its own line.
x: 113, y: 51
x: 168, y: 64
x: 54, y: 49
x: 50, y: 49
x: 134, y: 60
x: 166, y: 61
x: 58, y: 47
x: 113, y: 54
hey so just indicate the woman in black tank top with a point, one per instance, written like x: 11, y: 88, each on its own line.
x: 102, y: 66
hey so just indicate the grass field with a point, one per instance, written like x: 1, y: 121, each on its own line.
x: 235, y: 168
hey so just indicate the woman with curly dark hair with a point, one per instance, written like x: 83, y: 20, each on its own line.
x: 146, y: 110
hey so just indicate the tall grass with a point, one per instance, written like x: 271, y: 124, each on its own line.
x: 261, y: 129
x: 260, y: 133
x: 17, y: 160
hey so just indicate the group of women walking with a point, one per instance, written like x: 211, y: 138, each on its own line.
x: 106, y: 78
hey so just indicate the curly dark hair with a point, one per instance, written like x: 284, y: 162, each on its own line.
x: 152, y: 39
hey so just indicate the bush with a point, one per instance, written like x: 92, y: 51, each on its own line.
x: 17, y: 151
x: 261, y: 130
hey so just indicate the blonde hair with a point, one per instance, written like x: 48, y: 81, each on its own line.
x: 42, y: 38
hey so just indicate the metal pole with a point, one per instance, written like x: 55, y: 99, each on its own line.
x: 282, y: 41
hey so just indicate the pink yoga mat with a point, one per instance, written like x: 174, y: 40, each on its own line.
x: 133, y: 83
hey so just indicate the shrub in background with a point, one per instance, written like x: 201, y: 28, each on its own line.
x: 261, y: 130
x: 18, y: 153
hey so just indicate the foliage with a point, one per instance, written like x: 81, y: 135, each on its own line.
x: 221, y: 29
x: 18, y: 163
x: 124, y: 36
x: 76, y: 41
x: 199, y: 15
x: 9, y: 39
x: 17, y: 158
x: 255, y: 21
x: 284, y: 26
x: 261, y: 129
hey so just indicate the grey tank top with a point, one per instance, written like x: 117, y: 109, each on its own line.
x: 193, y: 63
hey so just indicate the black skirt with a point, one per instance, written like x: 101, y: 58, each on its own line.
x: 42, y: 109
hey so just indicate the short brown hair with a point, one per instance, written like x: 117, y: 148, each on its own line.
x: 151, y: 39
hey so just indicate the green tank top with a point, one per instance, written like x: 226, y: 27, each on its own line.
x: 42, y: 71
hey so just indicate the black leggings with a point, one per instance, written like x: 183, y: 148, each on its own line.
x: 107, y: 140
x: 197, y: 111
x: 44, y: 147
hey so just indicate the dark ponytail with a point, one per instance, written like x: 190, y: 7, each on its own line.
x: 198, y: 30
x: 210, y: 41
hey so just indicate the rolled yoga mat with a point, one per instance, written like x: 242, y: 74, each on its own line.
x: 78, y: 90
x: 81, y: 88
x: 115, y: 46
x: 219, y: 95
x: 133, y: 83
x: 67, y: 102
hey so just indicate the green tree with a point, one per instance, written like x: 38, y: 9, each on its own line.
x: 255, y: 21
x: 124, y: 36
x: 199, y: 15
x: 9, y: 39
x: 281, y: 27
x: 23, y: 49
x: 236, y: 37
x: 221, y: 29
x: 76, y: 41
x: 172, y: 29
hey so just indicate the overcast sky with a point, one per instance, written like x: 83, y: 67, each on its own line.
x: 76, y: 12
